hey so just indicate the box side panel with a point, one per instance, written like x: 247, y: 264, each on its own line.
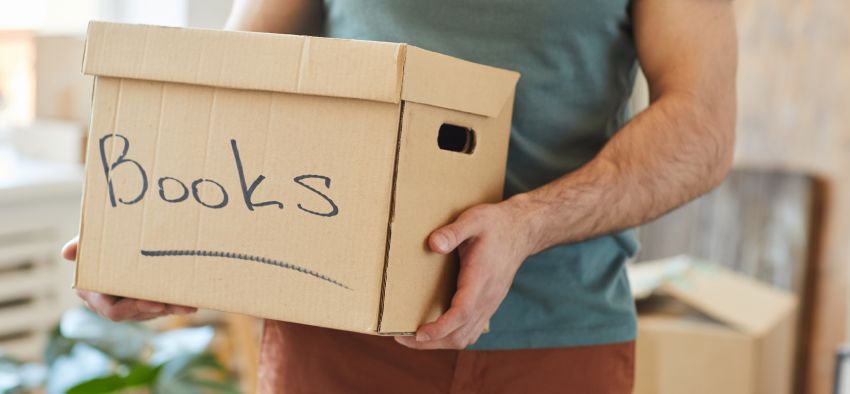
x: 433, y: 186
x: 775, y: 359
x: 675, y: 356
x: 745, y: 303
x: 646, y: 362
x: 268, y: 204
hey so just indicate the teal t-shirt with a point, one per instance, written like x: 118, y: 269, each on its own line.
x: 578, y: 62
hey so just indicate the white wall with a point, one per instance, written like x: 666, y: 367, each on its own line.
x: 210, y: 14
x: 72, y: 16
x: 153, y: 12
x: 194, y: 13
x: 52, y: 16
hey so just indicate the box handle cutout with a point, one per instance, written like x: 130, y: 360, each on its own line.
x: 456, y: 138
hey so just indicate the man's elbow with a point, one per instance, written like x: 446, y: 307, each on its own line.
x: 720, y: 163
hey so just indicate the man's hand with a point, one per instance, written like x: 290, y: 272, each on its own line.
x: 491, y: 249
x: 118, y: 308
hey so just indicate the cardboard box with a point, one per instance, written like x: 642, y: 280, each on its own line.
x: 714, y: 331
x: 284, y: 177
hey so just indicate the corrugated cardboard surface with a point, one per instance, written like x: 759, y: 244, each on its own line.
x: 744, y: 303
x: 310, y: 128
x: 678, y: 356
x: 184, y: 132
x: 775, y: 352
x: 716, y: 332
x: 433, y: 187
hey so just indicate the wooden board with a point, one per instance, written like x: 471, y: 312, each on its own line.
x: 756, y: 223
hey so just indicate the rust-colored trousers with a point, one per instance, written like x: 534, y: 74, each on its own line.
x: 303, y: 359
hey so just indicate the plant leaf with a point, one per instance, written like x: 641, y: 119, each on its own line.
x: 122, y: 341
x: 57, y: 345
x: 138, y: 376
x: 84, y: 363
x: 106, y: 384
x: 191, y: 363
x: 142, y: 375
x: 211, y: 386
x: 194, y: 373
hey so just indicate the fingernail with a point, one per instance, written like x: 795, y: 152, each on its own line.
x: 422, y: 337
x: 442, y: 242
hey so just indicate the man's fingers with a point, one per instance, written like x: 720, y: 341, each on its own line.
x: 181, y: 310
x: 96, y: 300
x: 449, y: 322
x: 459, y: 339
x: 464, y: 336
x: 100, y: 303
x: 412, y: 343
x: 149, y: 307
x: 478, y: 330
x: 462, y: 311
x: 133, y: 309
x: 69, y: 251
x: 408, y: 341
x: 447, y: 238
x: 116, y: 309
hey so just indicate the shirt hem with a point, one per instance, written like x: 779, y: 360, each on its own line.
x: 554, y: 338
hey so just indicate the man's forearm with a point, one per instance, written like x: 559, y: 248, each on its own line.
x: 276, y: 16
x: 677, y: 149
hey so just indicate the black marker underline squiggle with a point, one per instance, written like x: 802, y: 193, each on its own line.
x: 241, y: 256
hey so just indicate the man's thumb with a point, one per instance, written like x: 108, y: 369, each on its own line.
x: 445, y: 239
x: 69, y: 251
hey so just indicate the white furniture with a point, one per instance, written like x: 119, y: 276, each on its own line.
x: 39, y: 212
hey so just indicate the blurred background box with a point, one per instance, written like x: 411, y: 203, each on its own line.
x: 706, y: 329
x: 766, y: 224
x: 62, y: 91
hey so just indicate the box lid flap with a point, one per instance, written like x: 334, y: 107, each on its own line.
x: 246, y: 60
x: 443, y: 81
x: 745, y: 304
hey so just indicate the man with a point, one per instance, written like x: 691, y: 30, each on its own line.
x: 545, y: 266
